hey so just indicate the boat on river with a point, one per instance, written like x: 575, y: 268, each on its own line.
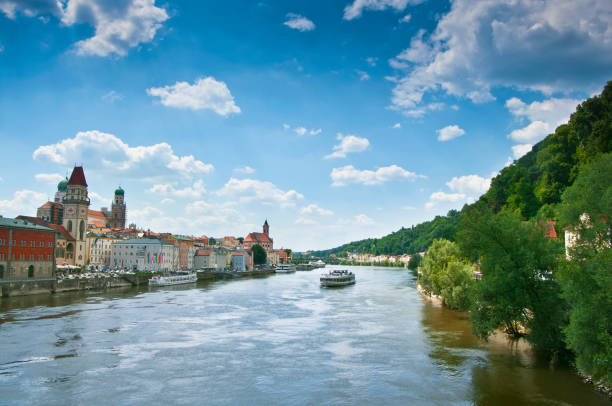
x: 285, y: 268
x: 188, y: 277
x: 337, y: 277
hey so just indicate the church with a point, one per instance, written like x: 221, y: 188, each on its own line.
x: 262, y: 239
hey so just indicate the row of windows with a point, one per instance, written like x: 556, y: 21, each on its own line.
x: 11, y: 272
x: 24, y: 243
x: 22, y: 257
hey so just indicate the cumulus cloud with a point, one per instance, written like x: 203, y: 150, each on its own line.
x: 372, y: 60
x: 113, y: 155
x: 397, y: 125
x: 24, y: 202
x: 349, y: 174
x: 405, y: 19
x: 306, y: 221
x: 466, y: 189
x: 300, y: 130
x: 520, y: 150
x: 315, y: 209
x: 51, y: 178
x: 298, y: 22
x: 543, y: 117
x: 166, y: 189
x: 362, y: 75
x: 244, y: 170
x: 363, y: 220
x: 118, y: 25
x: 356, y: 8
x: 348, y: 144
x: 213, y: 213
x: 449, y: 132
x: 247, y: 190
x: 205, y: 93
x: 547, y: 46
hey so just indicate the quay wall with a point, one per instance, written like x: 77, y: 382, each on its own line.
x: 26, y: 287
x: 68, y: 285
x: 39, y: 286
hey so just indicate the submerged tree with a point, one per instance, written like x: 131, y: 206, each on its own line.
x: 587, y: 277
x: 518, y: 287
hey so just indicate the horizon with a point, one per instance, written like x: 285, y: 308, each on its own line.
x: 334, y: 123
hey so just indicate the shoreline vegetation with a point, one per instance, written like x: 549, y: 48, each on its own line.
x: 529, y: 285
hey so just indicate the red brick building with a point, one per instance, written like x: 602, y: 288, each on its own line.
x: 26, y: 250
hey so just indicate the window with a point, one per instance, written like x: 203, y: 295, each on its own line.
x: 69, y: 226
x: 23, y: 243
x: 81, y: 230
x: 22, y: 257
x: 41, y: 244
x: 1, y: 242
x: 31, y: 257
x: 50, y: 245
x: 31, y: 271
x: 1, y: 271
x: 41, y: 257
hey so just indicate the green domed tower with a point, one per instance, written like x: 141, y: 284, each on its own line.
x: 118, y: 210
x: 62, y: 188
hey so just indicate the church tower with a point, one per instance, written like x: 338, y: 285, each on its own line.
x: 266, y: 228
x: 76, y: 205
x: 118, y: 210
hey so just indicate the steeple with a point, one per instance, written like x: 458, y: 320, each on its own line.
x: 266, y: 228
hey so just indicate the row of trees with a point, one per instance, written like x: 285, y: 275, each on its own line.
x: 528, y: 286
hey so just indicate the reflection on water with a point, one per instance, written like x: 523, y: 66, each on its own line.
x: 275, y: 341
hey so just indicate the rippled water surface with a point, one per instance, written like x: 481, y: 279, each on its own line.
x: 279, y: 340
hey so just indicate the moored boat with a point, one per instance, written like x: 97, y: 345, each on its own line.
x: 285, y: 268
x: 173, y: 279
x: 338, y: 277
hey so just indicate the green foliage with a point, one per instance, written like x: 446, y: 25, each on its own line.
x: 518, y: 288
x: 259, y: 254
x: 444, y: 273
x: 415, y: 261
x: 586, y: 279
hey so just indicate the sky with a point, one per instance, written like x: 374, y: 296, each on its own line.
x: 335, y: 121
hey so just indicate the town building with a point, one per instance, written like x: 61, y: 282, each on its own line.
x: 263, y: 239
x: 51, y: 212
x: 76, y: 206
x: 239, y: 261
x: 26, y: 250
x: 212, y: 258
x: 144, y: 254
x: 99, y: 248
x: 118, y: 210
x: 186, y: 248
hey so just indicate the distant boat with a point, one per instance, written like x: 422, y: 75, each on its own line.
x: 173, y: 279
x: 317, y: 264
x: 285, y: 268
x: 337, y: 278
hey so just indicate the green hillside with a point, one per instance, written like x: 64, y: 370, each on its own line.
x: 531, y: 186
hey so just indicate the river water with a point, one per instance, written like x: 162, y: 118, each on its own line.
x: 278, y: 340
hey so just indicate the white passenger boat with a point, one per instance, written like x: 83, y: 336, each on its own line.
x: 173, y: 279
x: 285, y: 268
x: 337, y: 278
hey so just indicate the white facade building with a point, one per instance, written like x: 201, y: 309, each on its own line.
x: 144, y: 254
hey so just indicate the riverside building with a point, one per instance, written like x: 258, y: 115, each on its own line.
x: 144, y: 254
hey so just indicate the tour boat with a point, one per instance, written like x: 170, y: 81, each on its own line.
x: 173, y: 279
x: 337, y: 278
x: 285, y: 268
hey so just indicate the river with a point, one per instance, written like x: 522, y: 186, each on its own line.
x: 278, y: 340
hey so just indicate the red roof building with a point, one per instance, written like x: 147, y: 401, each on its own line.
x: 77, y: 177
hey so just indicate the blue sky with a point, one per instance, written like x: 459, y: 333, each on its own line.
x: 334, y: 120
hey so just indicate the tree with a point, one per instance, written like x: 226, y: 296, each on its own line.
x: 444, y: 272
x: 259, y: 255
x: 414, y: 262
x: 212, y: 241
x: 586, y: 279
x: 518, y: 287
x: 240, y: 240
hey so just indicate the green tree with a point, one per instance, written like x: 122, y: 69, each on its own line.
x: 586, y: 279
x: 414, y: 262
x: 212, y: 241
x: 444, y: 272
x: 259, y: 254
x: 518, y: 289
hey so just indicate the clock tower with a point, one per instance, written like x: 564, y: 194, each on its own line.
x: 76, y: 206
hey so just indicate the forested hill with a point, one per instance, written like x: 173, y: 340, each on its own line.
x: 532, y: 185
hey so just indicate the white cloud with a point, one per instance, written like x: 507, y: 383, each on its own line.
x: 470, y: 185
x: 315, y: 209
x: 305, y: 221
x: 405, y: 19
x: 298, y: 22
x: 449, y: 132
x: 348, y: 144
x: 286, y: 126
x: 165, y: 189
x: 355, y: 9
x: 315, y: 132
x: 303, y: 130
x: 205, y: 93
x: 97, y: 199
x: 112, y: 154
x: 51, y: 178
x: 544, y: 117
x: 112, y: 96
x: 244, y: 170
x: 397, y: 125
x: 363, y: 220
x: 167, y: 200
x: 442, y: 197
x: 24, y: 202
x: 362, y: 75
x: 300, y: 130
x: 372, y: 61
x: 248, y: 190
x: 420, y: 111
x: 520, y: 150
x: 482, y: 44
x: 213, y: 213
x: 349, y: 174
x: 118, y: 25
